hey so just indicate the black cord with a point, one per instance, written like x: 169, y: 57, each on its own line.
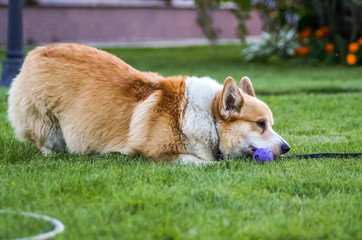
x: 325, y: 155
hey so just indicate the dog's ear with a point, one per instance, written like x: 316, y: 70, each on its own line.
x: 231, y: 100
x: 246, y: 86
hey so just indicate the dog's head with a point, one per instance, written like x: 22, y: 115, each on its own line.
x: 244, y: 122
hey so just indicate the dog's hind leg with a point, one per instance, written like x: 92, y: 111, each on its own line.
x: 46, y: 133
x: 54, y: 140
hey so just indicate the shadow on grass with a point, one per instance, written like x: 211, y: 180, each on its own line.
x: 309, y: 91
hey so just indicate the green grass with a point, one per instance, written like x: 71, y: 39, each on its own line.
x: 316, y: 109
x: 15, y: 225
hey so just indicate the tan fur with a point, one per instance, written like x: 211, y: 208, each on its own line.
x: 246, y: 86
x: 239, y: 127
x: 80, y: 99
x: 91, y: 94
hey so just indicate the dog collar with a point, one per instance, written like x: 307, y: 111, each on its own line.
x: 219, y: 155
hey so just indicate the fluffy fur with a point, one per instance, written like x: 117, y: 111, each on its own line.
x: 79, y: 99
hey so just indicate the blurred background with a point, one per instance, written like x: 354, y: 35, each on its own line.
x: 328, y: 31
x: 123, y: 22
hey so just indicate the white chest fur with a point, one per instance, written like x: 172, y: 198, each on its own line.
x: 198, y: 123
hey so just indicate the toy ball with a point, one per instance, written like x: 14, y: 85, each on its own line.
x: 263, y: 155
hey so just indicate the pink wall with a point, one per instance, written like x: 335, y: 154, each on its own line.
x: 117, y: 24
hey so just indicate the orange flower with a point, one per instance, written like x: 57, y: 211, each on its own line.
x: 326, y: 30
x: 303, y: 50
x: 353, y: 47
x: 360, y: 41
x: 351, y: 59
x: 322, y: 32
x: 329, y: 48
x: 296, y: 52
x: 305, y: 33
x: 319, y: 33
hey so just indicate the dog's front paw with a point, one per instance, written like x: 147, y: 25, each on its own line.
x: 191, y: 159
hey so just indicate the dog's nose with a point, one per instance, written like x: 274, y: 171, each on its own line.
x: 285, y: 147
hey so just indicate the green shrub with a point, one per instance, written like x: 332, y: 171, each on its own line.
x: 273, y: 46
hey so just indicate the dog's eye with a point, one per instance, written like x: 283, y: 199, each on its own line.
x: 261, y: 124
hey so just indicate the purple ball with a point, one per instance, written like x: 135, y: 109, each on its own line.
x: 263, y: 155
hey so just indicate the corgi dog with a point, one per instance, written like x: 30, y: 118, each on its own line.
x: 79, y: 99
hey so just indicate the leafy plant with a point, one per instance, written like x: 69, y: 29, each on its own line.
x: 242, y: 14
x: 343, y: 19
x: 205, y: 21
x: 273, y: 46
x: 332, y: 27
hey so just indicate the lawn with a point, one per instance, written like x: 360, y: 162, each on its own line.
x: 316, y: 109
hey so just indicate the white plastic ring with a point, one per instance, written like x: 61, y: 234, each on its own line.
x: 58, y: 225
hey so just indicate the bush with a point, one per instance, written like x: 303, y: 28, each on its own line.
x: 273, y: 46
x: 324, y: 30
x: 335, y: 30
